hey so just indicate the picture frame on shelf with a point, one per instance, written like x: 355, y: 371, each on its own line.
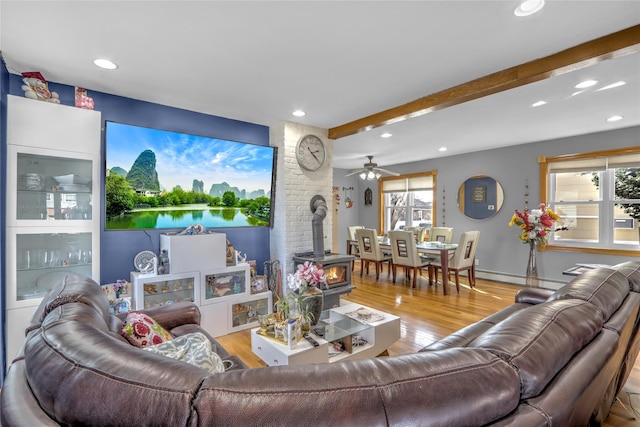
x: 258, y: 284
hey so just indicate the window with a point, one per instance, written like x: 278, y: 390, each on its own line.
x: 406, y: 200
x: 598, y: 197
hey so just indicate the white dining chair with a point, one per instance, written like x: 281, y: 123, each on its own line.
x: 370, y: 251
x: 405, y: 254
x: 463, y: 259
x: 353, y: 242
x: 441, y: 234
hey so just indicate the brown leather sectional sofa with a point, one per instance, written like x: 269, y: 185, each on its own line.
x: 554, y: 358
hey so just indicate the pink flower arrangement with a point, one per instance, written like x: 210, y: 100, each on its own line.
x: 307, y: 274
x: 117, y: 287
x: 535, y: 224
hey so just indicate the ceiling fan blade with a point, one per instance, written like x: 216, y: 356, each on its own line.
x: 354, y: 172
x: 386, y: 171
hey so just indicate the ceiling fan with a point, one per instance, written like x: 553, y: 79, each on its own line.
x: 371, y: 171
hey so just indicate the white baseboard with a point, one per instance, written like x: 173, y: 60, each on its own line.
x: 516, y: 280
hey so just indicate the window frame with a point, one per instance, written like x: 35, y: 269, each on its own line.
x: 381, y: 205
x: 545, y: 189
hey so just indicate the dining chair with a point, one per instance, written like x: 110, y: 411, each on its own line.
x: 370, y: 251
x: 405, y: 254
x: 441, y: 234
x: 420, y: 233
x: 351, y: 230
x: 463, y: 259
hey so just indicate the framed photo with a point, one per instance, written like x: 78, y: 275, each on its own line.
x: 479, y: 194
x: 258, y: 284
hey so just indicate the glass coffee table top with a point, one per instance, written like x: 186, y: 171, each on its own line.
x: 334, y: 326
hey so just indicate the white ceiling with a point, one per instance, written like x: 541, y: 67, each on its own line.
x: 339, y: 61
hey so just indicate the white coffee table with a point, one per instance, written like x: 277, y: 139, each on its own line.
x: 379, y: 334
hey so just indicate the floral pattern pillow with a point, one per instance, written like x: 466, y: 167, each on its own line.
x: 142, y: 331
x: 194, y: 348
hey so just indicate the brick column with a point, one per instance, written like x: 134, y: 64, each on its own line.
x: 295, y: 187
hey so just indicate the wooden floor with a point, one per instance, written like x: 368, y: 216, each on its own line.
x: 427, y: 315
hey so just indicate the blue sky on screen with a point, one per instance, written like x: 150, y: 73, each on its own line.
x: 181, y: 158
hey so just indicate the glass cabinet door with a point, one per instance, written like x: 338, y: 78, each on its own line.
x: 155, y: 290
x: 244, y: 313
x: 224, y: 282
x: 53, y: 188
x: 43, y: 259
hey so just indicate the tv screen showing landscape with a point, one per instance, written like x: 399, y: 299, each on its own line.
x: 157, y: 179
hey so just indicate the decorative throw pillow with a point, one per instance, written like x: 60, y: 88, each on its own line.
x: 194, y: 348
x: 141, y: 330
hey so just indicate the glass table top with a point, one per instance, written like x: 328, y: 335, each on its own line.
x: 334, y: 326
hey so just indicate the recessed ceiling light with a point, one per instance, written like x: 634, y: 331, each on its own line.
x: 614, y: 118
x: 105, y: 63
x: 299, y: 113
x: 529, y: 7
x: 612, y: 85
x: 385, y: 135
x: 539, y: 103
x: 586, y: 84
x: 442, y: 149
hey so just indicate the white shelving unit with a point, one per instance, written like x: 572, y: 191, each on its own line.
x: 53, y: 204
x: 222, y: 294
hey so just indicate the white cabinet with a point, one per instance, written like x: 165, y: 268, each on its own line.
x: 222, y: 294
x: 153, y: 290
x: 52, y: 204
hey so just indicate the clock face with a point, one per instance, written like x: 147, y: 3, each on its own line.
x: 310, y: 152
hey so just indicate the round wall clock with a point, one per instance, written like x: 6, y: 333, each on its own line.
x: 310, y: 152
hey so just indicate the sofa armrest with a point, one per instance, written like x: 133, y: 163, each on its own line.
x: 172, y: 315
x: 533, y: 295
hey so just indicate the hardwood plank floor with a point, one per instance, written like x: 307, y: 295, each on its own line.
x: 427, y: 316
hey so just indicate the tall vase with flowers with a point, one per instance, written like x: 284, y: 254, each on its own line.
x: 304, y: 290
x: 535, y: 226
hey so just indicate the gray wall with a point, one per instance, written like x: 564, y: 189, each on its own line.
x: 499, y: 250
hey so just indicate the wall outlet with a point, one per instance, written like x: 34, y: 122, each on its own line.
x: 477, y: 262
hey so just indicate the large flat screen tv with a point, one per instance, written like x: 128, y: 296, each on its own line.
x: 158, y: 179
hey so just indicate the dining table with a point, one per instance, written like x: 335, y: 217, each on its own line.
x: 444, y: 250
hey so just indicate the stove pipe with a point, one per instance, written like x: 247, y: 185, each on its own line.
x: 319, y: 209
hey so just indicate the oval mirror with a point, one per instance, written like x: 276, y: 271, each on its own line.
x: 480, y: 197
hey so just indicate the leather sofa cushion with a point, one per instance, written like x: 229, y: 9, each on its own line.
x: 603, y: 287
x: 72, y: 362
x: 570, y: 397
x: 631, y: 269
x: 464, y: 336
x: 531, y: 295
x: 73, y: 288
x: 19, y: 406
x: 459, y: 386
x: 540, y: 340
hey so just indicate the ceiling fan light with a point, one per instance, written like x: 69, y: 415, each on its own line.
x: 371, y: 175
x: 363, y: 175
x: 378, y: 175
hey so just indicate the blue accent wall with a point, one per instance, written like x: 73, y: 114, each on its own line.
x: 118, y: 248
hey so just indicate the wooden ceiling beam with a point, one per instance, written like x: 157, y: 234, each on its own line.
x: 614, y: 45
